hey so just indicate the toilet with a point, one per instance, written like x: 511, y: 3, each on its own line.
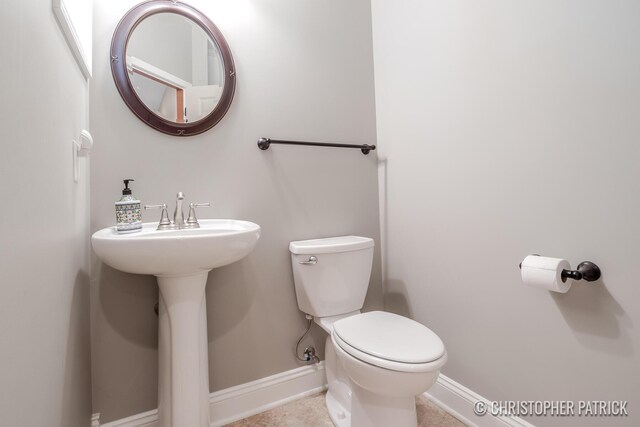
x: 376, y: 362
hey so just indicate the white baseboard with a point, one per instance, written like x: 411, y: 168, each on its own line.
x: 459, y: 401
x: 242, y: 401
x: 248, y: 399
x: 235, y: 403
x: 145, y: 419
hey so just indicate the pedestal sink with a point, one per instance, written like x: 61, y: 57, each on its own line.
x: 181, y: 260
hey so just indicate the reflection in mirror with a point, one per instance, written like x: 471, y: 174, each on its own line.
x: 175, y: 68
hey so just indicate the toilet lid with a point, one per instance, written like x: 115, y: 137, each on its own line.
x: 390, y: 337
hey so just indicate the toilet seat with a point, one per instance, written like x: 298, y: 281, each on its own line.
x: 390, y: 341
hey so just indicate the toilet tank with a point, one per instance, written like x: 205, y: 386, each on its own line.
x: 331, y: 275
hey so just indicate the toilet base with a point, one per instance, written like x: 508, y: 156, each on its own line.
x: 374, y: 410
x: 340, y: 415
x: 338, y: 398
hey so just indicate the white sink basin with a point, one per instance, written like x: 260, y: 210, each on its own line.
x: 181, y: 259
x: 216, y: 243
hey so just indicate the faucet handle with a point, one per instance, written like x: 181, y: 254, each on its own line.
x: 164, y: 224
x: 192, y: 221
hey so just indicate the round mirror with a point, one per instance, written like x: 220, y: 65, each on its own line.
x: 172, y: 67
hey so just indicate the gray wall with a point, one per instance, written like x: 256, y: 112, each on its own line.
x: 44, y: 225
x: 305, y: 71
x: 512, y: 128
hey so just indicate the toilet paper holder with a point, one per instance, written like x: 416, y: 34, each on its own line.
x: 586, y: 270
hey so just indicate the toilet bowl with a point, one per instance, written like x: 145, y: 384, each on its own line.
x: 390, y: 360
x: 376, y: 362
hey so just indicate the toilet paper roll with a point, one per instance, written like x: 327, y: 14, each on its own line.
x: 544, y: 272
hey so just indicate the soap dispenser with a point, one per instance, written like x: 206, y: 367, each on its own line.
x: 128, y: 218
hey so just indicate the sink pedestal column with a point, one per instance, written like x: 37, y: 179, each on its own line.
x: 183, y: 382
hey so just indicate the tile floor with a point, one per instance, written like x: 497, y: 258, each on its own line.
x: 311, y: 412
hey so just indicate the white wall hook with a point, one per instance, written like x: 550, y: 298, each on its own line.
x: 85, y: 143
x: 81, y: 147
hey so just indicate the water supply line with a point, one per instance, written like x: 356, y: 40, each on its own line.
x: 309, y: 354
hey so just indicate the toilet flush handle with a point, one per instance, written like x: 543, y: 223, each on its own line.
x: 313, y: 260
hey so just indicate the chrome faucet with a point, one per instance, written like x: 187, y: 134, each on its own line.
x: 164, y: 224
x: 192, y: 221
x: 178, y: 214
x: 178, y: 222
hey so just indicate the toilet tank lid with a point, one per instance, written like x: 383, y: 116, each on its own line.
x: 330, y: 245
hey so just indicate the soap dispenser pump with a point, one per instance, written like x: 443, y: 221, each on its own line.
x: 128, y: 217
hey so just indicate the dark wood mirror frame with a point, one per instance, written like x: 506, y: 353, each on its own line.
x: 119, y: 67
